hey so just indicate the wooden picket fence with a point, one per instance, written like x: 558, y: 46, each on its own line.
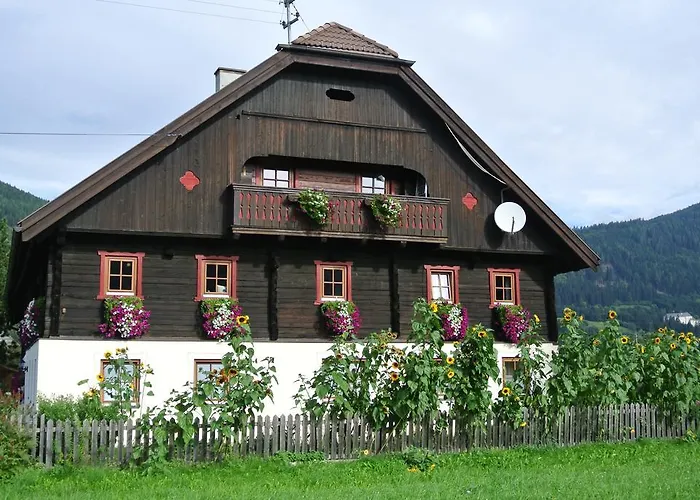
x: 100, y: 442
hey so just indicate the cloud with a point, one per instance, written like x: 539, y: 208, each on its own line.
x: 593, y: 104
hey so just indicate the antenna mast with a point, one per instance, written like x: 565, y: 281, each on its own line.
x: 287, y: 25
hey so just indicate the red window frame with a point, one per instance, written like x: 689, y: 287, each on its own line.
x: 320, y: 265
x: 454, y: 270
x: 202, y: 261
x: 515, y: 274
x: 104, y: 272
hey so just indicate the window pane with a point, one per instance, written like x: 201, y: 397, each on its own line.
x: 127, y: 267
x: 282, y: 183
x: 222, y: 285
x: 444, y: 280
x: 222, y: 271
x: 126, y: 283
x: 338, y: 290
x: 210, y: 285
x: 269, y: 182
x: 268, y: 174
x: 211, y: 270
x: 499, y: 281
x: 507, y: 294
x: 328, y: 289
x: 283, y: 175
x: 434, y: 279
x: 507, y: 281
x: 114, y: 266
x: 337, y: 275
x: 379, y: 185
x: 114, y: 283
x: 436, y: 292
x: 328, y: 275
x: 367, y: 182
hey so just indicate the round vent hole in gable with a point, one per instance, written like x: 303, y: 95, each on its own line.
x: 340, y: 95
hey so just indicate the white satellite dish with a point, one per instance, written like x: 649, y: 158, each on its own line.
x: 509, y: 217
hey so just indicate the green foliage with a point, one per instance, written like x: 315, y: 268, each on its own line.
x: 120, y: 381
x: 386, y: 210
x: 16, y: 204
x: 387, y: 385
x: 419, y: 459
x: 76, y: 409
x: 290, y: 457
x: 5, y: 244
x: 14, y: 444
x: 225, y: 401
x: 648, y: 268
x: 315, y: 204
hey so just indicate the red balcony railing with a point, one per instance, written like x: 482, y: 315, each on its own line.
x: 267, y: 210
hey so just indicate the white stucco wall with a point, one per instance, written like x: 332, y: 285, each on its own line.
x: 59, y: 364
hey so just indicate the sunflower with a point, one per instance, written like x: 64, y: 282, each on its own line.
x: 580, y: 318
x: 482, y: 334
x: 365, y: 452
x: 91, y: 393
x: 567, y: 310
x: 338, y: 355
x: 505, y: 391
x: 395, y: 365
x: 642, y: 349
x: 660, y: 330
x: 394, y: 376
x: 450, y: 374
x: 433, y: 307
x: 456, y: 345
x: 596, y: 342
x: 625, y: 339
x: 523, y: 424
x: 688, y: 340
x: 232, y: 372
x: 567, y: 316
x: 450, y: 360
x: 107, y: 355
x: 651, y: 358
x: 536, y: 318
x: 681, y: 336
x: 222, y: 379
x: 673, y: 346
x: 612, y: 314
x: 242, y: 320
x: 657, y: 340
x: 100, y: 378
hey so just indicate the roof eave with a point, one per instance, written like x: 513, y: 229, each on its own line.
x: 345, y: 53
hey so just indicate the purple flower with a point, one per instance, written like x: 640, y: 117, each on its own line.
x: 125, y: 318
x: 514, y: 321
x: 221, y: 318
x: 455, y: 321
x: 342, y: 317
x: 28, y: 326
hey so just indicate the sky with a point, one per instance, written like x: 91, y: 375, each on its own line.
x: 593, y: 104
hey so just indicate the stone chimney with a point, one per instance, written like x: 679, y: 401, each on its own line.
x: 224, y: 76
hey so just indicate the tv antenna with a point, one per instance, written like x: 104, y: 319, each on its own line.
x: 509, y: 217
x: 291, y: 19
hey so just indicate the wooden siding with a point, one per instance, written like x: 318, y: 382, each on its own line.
x: 272, y: 210
x: 169, y: 284
x: 291, y: 117
x: 329, y: 181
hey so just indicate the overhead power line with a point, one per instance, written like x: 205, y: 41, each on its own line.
x: 229, y: 6
x: 154, y: 7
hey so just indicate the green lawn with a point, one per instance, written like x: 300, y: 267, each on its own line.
x: 649, y: 469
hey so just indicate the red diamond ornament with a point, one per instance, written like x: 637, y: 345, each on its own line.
x: 469, y: 201
x: 189, y: 180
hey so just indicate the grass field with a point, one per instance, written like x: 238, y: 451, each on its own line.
x: 650, y: 469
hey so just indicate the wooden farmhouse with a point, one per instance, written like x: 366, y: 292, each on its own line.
x: 208, y: 207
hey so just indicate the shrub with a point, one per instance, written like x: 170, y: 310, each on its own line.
x: 419, y: 459
x: 14, y: 443
x: 76, y: 408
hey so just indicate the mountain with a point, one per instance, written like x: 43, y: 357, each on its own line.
x: 16, y: 204
x: 648, y: 268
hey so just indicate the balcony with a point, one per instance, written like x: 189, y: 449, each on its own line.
x: 268, y: 210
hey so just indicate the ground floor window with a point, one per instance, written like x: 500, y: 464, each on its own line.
x: 504, y: 286
x: 509, y: 366
x: 203, y: 367
x: 442, y: 283
x: 333, y: 281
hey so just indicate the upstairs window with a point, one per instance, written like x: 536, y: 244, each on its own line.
x: 216, y: 277
x: 333, y: 281
x: 442, y: 283
x: 128, y: 376
x: 509, y: 367
x: 505, y: 286
x: 276, y: 178
x: 373, y: 185
x: 120, y: 274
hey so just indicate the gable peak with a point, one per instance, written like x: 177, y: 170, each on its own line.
x: 338, y: 37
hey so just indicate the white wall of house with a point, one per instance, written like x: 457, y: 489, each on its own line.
x: 57, y: 365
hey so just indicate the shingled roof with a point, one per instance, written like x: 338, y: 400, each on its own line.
x: 336, y: 36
